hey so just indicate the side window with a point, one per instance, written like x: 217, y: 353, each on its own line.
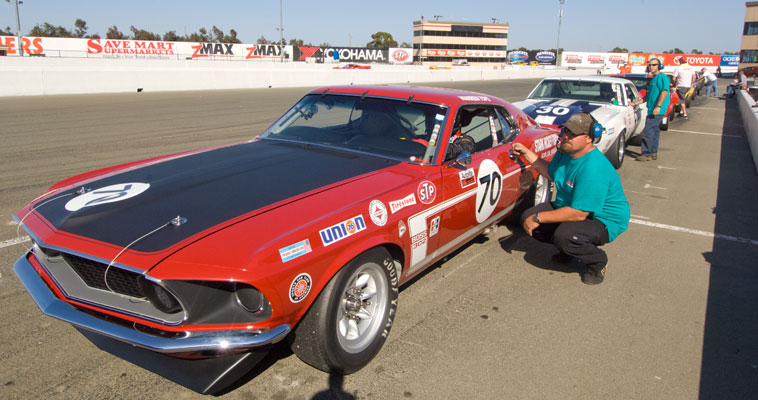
x: 631, y: 93
x: 509, y: 130
x: 481, y: 124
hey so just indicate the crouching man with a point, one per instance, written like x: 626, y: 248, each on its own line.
x: 590, y: 208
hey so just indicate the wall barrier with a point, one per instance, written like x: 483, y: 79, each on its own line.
x: 32, y: 76
x: 750, y: 121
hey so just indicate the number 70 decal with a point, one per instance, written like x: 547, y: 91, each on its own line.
x: 489, y: 187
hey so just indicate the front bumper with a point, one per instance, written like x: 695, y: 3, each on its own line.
x: 210, y: 343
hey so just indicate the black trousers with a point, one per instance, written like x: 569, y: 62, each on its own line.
x: 575, y: 238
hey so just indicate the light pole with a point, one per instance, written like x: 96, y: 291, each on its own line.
x: 19, y: 38
x: 558, y: 43
x: 281, y: 34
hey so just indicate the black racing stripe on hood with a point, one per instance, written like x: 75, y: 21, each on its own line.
x: 548, y: 109
x: 207, y: 188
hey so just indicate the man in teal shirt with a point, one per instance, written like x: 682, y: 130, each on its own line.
x: 590, y: 208
x: 657, y: 105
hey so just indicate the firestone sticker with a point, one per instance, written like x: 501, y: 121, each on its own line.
x: 108, y: 194
x: 295, y: 250
x: 378, y: 212
x: 406, y: 201
x: 300, y: 287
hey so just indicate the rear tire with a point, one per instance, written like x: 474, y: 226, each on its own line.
x: 350, y: 320
x: 540, y: 192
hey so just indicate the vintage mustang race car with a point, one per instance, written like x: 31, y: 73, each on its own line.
x: 192, y: 265
x: 609, y: 100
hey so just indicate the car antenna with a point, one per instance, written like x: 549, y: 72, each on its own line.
x: 323, y: 94
x: 363, y: 97
x: 409, y: 99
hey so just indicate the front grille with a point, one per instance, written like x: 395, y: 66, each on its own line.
x: 93, y: 274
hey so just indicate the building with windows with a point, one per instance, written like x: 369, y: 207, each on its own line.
x: 749, y: 45
x: 444, y: 42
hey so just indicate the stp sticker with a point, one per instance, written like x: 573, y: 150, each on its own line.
x: 435, y: 226
x: 378, y: 212
x: 108, y: 194
x: 427, y: 192
x: 300, y: 287
x: 401, y: 228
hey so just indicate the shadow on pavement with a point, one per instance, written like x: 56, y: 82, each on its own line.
x: 730, y: 345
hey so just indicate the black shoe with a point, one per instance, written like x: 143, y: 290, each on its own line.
x: 593, y: 276
x: 562, y: 258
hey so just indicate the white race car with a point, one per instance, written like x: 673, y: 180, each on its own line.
x: 608, y: 100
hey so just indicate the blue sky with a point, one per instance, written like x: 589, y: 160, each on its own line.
x: 600, y: 25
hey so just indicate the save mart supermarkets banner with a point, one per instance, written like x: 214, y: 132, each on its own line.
x: 112, y: 48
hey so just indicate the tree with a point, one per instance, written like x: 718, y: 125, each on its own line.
x: 263, y: 40
x: 141, y: 34
x: 171, y: 36
x: 6, y: 32
x: 381, y: 40
x: 48, y: 30
x: 232, y: 38
x: 80, y: 28
x: 696, y: 51
x: 406, y: 45
x: 676, y: 50
x: 619, y: 50
x: 325, y: 45
x: 200, y: 36
x: 114, y: 33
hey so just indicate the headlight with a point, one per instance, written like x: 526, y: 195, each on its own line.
x: 159, y: 297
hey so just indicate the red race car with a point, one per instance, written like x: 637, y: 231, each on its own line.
x: 352, y: 66
x: 192, y: 265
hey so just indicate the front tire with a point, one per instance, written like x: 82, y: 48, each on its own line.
x: 617, y: 151
x: 350, y: 320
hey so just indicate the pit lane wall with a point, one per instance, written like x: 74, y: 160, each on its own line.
x: 29, y: 76
x: 750, y: 121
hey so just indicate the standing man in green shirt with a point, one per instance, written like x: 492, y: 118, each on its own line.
x: 657, y: 105
x: 590, y: 208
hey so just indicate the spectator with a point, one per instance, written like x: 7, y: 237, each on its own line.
x: 711, y: 83
x: 737, y: 84
x: 657, y: 103
x: 685, y: 77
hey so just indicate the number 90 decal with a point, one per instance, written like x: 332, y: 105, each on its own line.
x: 552, y: 110
x: 489, y: 187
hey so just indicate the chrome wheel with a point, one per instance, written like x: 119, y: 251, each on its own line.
x: 362, y: 308
x: 542, y: 190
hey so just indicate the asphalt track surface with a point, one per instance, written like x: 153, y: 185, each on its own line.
x: 676, y: 318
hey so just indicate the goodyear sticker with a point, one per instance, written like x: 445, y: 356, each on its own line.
x: 342, y: 230
x: 300, y: 287
x: 295, y: 250
x: 378, y: 212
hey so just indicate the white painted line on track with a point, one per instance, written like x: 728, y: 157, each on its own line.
x: 662, y: 167
x: 706, y: 133
x: 639, y: 216
x: 649, y: 186
x: 15, y: 241
x: 695, y: 231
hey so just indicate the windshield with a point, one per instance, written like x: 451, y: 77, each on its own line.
x: 599, y: 92
x: 640, y: 83
x: 384, y: 127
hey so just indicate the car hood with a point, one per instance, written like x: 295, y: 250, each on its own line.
x: 535, y: 109
x: 135, y: 208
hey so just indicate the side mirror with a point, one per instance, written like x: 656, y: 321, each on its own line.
x: 463, y: 160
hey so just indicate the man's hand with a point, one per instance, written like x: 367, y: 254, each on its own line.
x: 530, y: 224
x: 522, y: 151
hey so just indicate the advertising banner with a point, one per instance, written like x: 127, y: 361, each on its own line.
x: 516, y: 56
x: 674, y: 60
x: 401, y: 55
x: 730, y: 61
x: 542, y: 57
x: 150, y: 49
x: 347, y: 54
x: 593, y: 60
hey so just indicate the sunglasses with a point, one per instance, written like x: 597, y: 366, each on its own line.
x: 654, y: 65
x: 567, y: 133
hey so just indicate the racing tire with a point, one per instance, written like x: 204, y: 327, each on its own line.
x: 540, y: 192
x: 616, y: 153
x: 350, y: 320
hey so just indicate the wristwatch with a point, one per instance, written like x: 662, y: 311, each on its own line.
x: 536, y: 218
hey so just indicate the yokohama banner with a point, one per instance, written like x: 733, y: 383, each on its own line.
x: 352, y: 54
